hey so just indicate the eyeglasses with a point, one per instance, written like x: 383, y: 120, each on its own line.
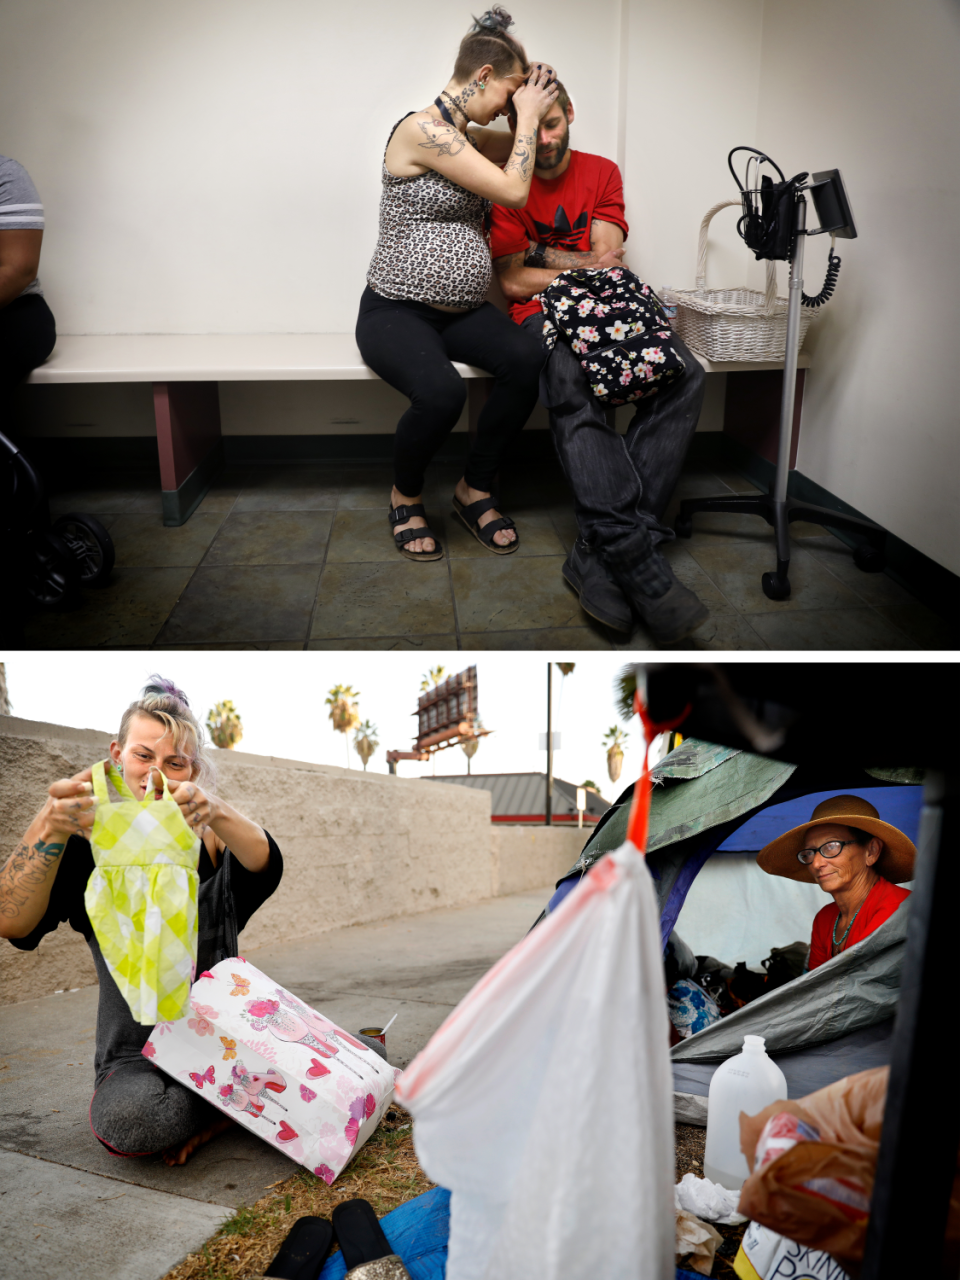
x: 828, y: 850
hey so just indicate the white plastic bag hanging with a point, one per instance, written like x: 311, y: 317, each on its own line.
x: 544, y: 1102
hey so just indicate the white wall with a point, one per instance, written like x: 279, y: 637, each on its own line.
x: 214, y: 165
x: 691, y: 95
x: 872, y: 87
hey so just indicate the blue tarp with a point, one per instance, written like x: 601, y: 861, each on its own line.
x: 418, y: 1231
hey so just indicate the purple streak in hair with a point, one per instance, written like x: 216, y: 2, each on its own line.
x: 158, y: 684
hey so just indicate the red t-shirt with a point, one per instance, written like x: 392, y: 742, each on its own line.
x: 880, y: 903
x: 560, y: 213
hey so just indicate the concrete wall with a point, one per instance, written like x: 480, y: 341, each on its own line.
x: 357, y: 847
x: 529, y: 857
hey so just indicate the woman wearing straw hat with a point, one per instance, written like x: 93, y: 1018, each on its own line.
x: 855, y: 857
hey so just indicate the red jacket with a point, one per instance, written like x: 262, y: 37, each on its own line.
x: 879, y: 905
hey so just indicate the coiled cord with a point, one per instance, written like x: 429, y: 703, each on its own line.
x: 830, y: 282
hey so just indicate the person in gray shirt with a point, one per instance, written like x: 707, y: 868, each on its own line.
x: 27, y: 328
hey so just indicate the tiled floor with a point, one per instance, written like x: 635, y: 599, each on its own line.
x: 301, y: 557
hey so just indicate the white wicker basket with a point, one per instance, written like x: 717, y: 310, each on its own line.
x: 733, y: 324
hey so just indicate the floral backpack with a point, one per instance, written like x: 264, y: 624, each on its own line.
x: 616, y: 324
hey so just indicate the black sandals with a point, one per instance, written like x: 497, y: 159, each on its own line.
x: 469, y: 517
x: 400, y: 515
x: 366, y: 1250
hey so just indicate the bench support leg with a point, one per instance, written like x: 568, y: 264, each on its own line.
x: 189, y: 444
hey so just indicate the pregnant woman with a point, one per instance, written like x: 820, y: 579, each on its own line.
x: 425, y: 306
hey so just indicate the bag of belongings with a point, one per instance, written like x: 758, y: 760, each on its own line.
x: 276, y: 1066
x: 544, y: 1101
x: 616, y: 325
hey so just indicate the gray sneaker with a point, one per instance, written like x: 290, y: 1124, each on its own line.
x: 672, y: 616
x: 599, y: 595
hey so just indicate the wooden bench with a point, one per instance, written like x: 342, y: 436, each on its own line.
x: 185, y: 370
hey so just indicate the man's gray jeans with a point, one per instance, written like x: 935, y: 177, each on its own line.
x: 621, y: 484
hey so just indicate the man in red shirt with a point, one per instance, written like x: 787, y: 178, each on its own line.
x: 574, y: 217
x: 854, y: 856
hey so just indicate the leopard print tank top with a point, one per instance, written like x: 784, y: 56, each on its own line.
x: 431, y: 247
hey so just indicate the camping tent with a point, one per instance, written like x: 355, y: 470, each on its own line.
x: 710, y: 803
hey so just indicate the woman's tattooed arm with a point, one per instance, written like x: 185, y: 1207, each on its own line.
x: 26, y: 872
x: 442, y: 138
x: 524, y: 156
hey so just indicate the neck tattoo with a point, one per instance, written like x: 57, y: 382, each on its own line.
x: 459, y: 101
x: 444, y: 112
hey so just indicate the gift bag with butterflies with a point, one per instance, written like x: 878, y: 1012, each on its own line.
x: 276, y: 1066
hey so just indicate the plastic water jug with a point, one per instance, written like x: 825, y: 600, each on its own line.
x: 748, y: 1082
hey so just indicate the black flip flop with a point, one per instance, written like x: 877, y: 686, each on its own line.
x: 302, y: 1253
x: 469, y: 517
x: 400, y: 515
x: 362, y: 1243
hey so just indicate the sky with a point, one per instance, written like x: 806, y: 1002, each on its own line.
x: 280, y: 697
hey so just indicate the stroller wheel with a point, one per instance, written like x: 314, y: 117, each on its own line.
x: 91, y: 545
x: 53, y: 575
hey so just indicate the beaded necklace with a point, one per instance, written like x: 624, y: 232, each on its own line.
x: 838, y: 946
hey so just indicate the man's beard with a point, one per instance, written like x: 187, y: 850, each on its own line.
x: 551, y: 161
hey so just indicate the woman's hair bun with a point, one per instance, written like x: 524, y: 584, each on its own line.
x: 159, y: 687
x: 495, y: 19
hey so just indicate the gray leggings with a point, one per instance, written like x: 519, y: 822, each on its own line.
x: 138, y: 1111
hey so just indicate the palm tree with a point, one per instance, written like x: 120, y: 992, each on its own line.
x: 590, y: 785
x: 344, y: 715
x: 469, y: 746
x: 566, y: 668
x: 433, y: 677
x: 365, y: 741
x: 225, y: 725
x: 616, y: 737
x: 4, y: 697
x: 624, y: 688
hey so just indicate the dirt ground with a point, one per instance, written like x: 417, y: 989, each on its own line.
x: 690, y: 1142
x: 385, y: 1172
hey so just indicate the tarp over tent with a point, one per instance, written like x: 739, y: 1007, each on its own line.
x: 707, y: 797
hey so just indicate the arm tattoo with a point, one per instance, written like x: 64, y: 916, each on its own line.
x: 500, y: 265
x: 24, y: 873
x: 442, y: 138
x: 562, y: 258
x: 523, y: 156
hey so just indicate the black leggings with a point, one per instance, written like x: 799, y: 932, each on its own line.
x: 27, y: 335
x: 411, y: 346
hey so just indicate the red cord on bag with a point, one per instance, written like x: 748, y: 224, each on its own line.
x: 638, y: 826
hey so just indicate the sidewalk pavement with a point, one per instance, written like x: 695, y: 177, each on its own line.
x: 69, y: 1206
